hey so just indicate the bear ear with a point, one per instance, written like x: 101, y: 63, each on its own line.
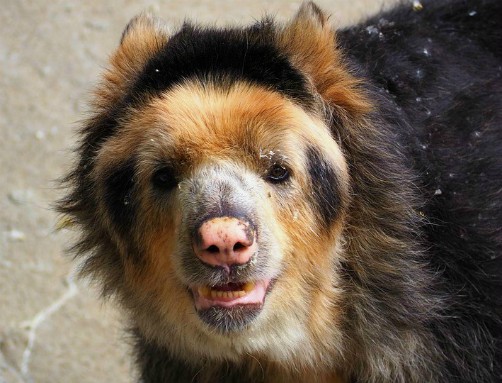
x: 142, y: 30
x: 309, y: 12
x: 142, y: 38
x: 310, y: 42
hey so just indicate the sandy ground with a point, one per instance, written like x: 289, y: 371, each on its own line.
x: 53, y: 328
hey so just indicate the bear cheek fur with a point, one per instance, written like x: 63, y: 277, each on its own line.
x: 150, y: 291
x: 313, y: 264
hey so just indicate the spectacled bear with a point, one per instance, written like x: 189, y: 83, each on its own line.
x: 290, y: 203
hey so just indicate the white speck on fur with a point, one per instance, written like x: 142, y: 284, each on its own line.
x: 372, y: 30
x: 417, y: 6
x: 268, y: 155
x: 438, y: 192
x: 385, y: 23
x: 473, y: 13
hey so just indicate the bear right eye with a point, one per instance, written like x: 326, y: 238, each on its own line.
x: 164, y: 179
x: 278, y: 174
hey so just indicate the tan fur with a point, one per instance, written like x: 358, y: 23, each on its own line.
x: 311, y: 42
x: 143, y: 37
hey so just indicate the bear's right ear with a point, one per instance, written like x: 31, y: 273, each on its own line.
x: 142, y: 38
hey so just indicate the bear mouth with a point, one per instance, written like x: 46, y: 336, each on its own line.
x: 231, y: 306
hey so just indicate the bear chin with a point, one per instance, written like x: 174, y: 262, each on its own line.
x: 230, y: 319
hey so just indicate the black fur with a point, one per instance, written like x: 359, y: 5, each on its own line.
x: 324, y: 185
x: 223, y: 55
x: 119, y: 186
x: 160, y: 366
x: 438, y: 75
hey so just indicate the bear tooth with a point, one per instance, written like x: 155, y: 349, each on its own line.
x: 249, y: 286
x: 208, y: 292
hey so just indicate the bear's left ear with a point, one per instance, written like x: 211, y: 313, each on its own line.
x: 311, y: 13
x: 142, y: 38
x: 310, y: 42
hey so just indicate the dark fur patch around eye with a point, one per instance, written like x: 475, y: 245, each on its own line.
x: 164, y: 179
x: 119, y: 195
x: 325, y: 187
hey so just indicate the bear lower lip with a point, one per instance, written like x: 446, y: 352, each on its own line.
x: 230, y: 295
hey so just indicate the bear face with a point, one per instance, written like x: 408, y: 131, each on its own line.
x: 244, y: 152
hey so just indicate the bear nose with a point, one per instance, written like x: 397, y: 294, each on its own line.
x: 225, y: 241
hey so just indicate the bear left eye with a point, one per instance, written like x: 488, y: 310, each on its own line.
x: 278, y: 174
x: 164, y: 179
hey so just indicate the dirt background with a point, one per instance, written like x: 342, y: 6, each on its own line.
x: 53, y: 328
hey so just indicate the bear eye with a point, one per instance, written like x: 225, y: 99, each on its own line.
x: 278, y: 174
x: 164, y: 178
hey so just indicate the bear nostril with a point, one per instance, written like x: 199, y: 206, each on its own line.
x: 238, y: 246
x: 213, y: 249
